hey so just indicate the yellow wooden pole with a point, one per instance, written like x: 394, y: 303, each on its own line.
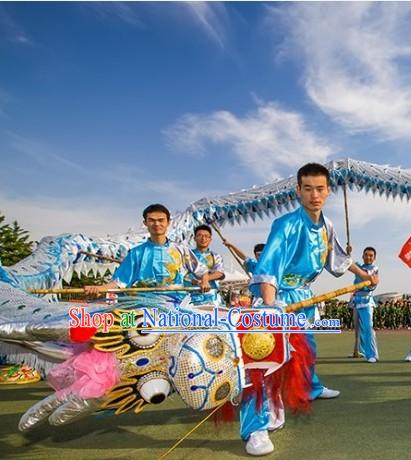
x: 218, y: 231
x: 347, y: 221
x: 115, y: 290
x: 162, y: 457
x: 327, y: 296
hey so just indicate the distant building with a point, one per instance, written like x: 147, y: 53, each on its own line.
x: 388, y: 296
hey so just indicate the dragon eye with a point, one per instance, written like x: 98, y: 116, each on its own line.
x: 154, y: 387
x: 142, y: 339
x: 222, y: 392
x: 214, y: 348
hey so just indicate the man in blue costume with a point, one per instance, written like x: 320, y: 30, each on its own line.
x: 214, y: 263
x: 157, y: 262
x: 301, y: 244
x: 363, y: 303
x: 276, y: 416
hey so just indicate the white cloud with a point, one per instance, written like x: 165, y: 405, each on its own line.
x: 356, y: 59
x: 103, y: 210
x: 48, y: 216
x: 212, y: 18
x: 367, y: 209
x: 269, y: 140
x: 93, y: 215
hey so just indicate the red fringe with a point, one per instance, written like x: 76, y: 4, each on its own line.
x: 291, y: 383
x: 296, y: 383
x: 227, y: 414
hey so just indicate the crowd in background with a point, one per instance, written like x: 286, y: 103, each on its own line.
x: 390, y: 314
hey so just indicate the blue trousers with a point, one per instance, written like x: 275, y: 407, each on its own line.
x: 253, y: 419
x: 368, y: 341
x: 316, y: 386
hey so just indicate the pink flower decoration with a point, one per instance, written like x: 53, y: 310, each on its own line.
x: 87, y: 375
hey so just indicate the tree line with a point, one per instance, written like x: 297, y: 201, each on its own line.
x: 15, y: 243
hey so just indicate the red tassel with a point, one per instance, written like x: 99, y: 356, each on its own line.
x: 296, y: 384
x: 256, y: 379
x: 226, y: 414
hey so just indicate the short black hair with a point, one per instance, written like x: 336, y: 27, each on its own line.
x: 259, y: 247
x: 156, y: 207
x: 370, y: 248
x: 205, y: 227
x: 313, y: 169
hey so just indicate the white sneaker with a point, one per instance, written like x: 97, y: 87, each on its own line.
x: 276, y: 423
x: 328, y: 394
x: 372, y: 360
x: 408, y: 357
x: 272, y: 428
x: 259, y: 444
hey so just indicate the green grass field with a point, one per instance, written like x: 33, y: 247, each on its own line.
x: 370, y: 420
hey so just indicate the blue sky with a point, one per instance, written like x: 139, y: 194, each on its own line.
x: 106, y: 107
